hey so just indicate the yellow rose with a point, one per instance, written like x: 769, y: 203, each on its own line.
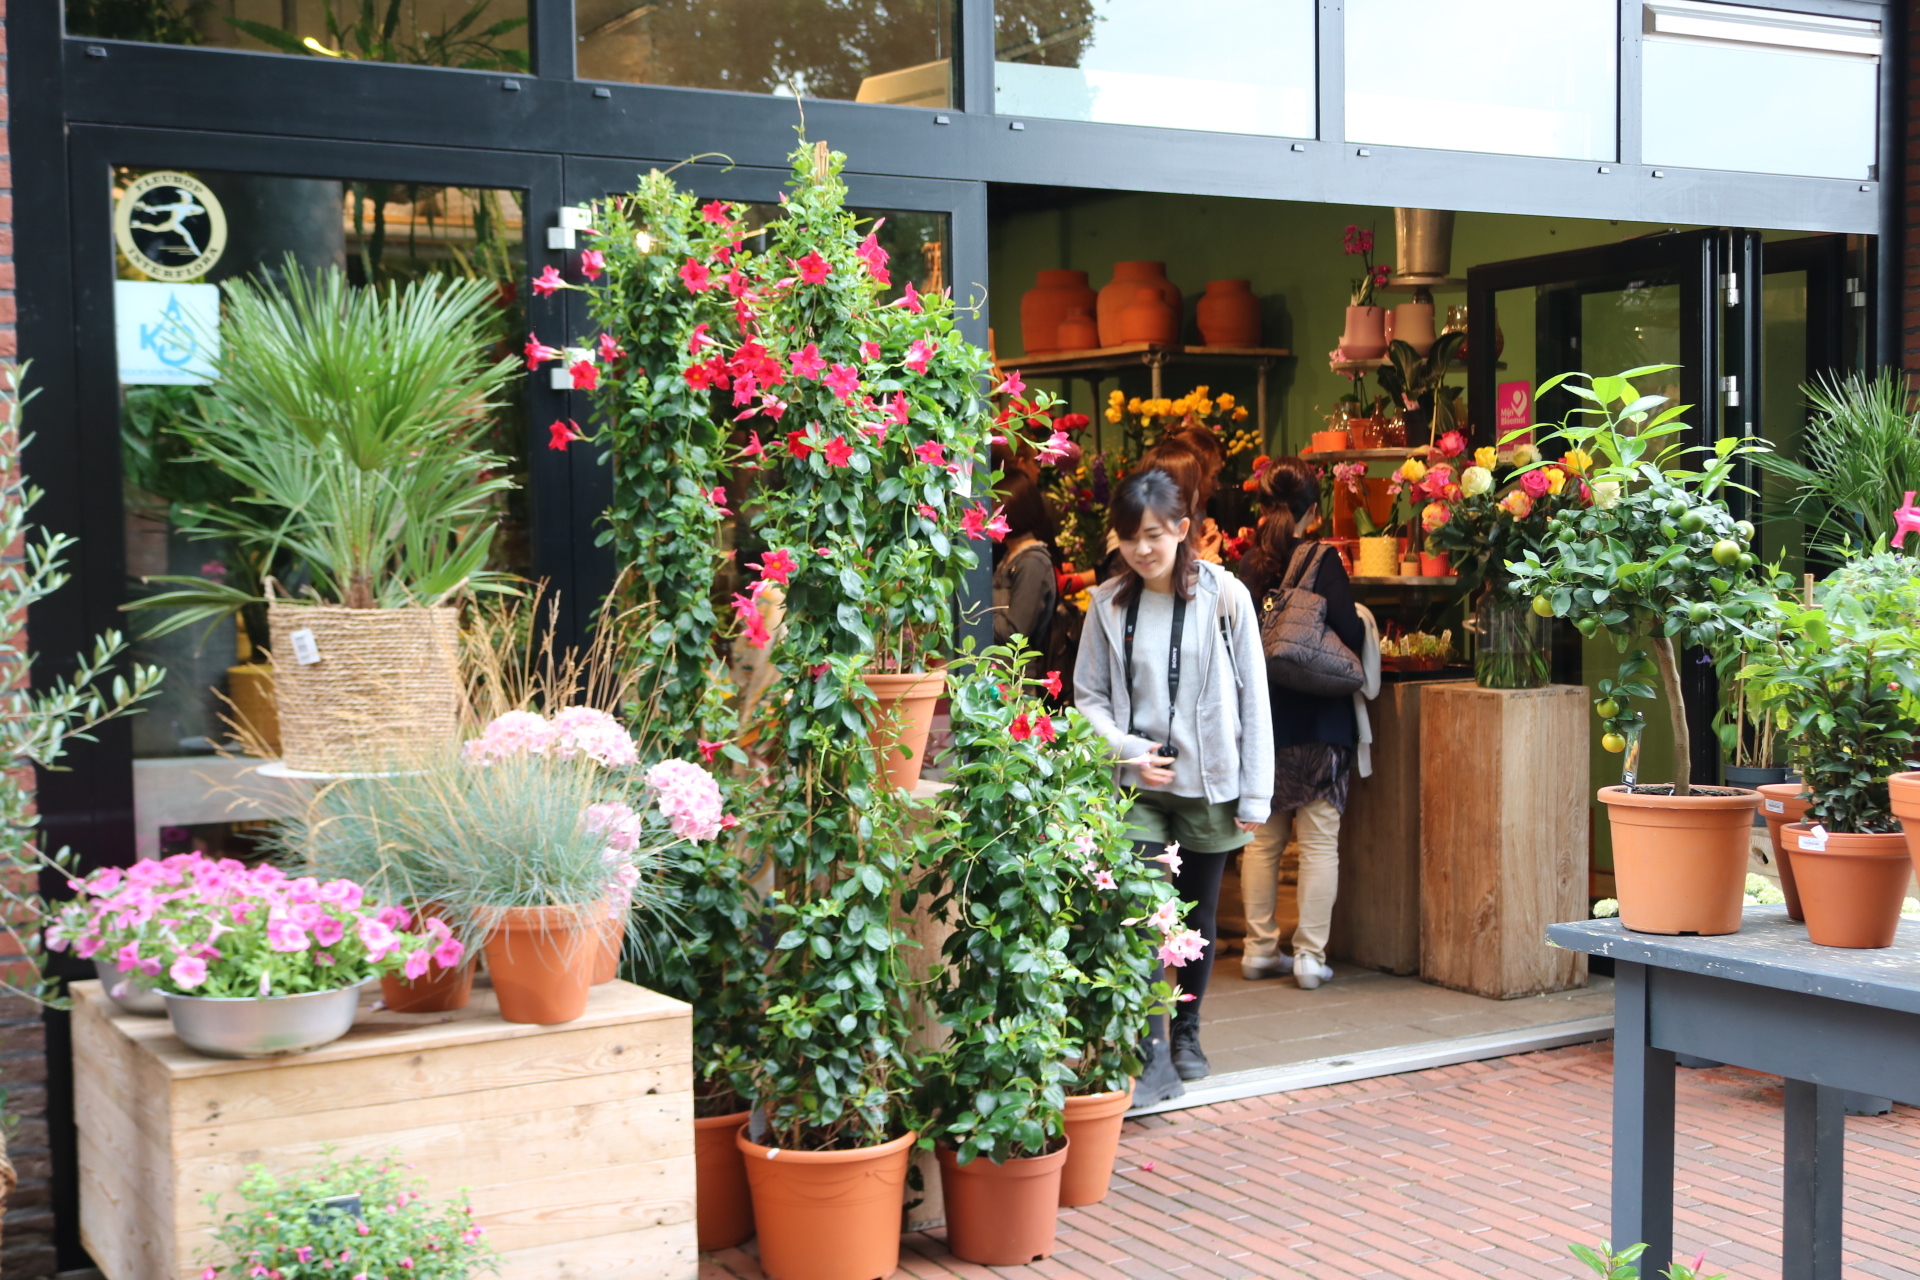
x: 1203, y: 407
x: 1476, y: 480
x: 1484, y: 456
x: 1556, y: 479
x: 1114, y: 414
x: 1239, y: 415
x: 1224, y: 399
x: 1576, y: 461
x: 1115, y: 397
x: 1133, y: 405
x: 1413, y: 471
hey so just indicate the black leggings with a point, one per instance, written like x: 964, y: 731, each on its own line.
x: 1199, y: 883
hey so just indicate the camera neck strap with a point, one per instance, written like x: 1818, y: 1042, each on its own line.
x: 1173, y: 657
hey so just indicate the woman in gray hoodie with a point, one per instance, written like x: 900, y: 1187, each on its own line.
x: 1172, y: 672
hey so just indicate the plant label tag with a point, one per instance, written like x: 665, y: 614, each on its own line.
x: 305, y: 651
x: 1776, y: 806
x: 1815, y: 839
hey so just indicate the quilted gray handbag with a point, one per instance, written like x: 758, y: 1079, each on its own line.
x: 1303, y: 654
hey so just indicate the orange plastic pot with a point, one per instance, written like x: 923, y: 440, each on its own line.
x: 723, y: 1204
x: 1781, y: 803
x: 542, y: 959
x: 1905, y: 791
x: 903, y: 721
x: 1680, y: 862
x: 1002, y: 1215
x: 1853, y: 887
x: 827, y: 1215
x: 1093, y: 1141
x: 441, y: 990
x: 613, y: 937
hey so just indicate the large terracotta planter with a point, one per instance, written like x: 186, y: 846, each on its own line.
x: 1150, y: 318
x: 1044, y: 306
x: 723, y: 1204
x: 1002, y: 1215
x: 1781, y: 803
x: 1093, y: 1123
x: 903, y: 721
x: 1904, y: 788
x: 827, y: 1215
x: 1077, y: 330
x: 1229, y: 314
x: 441, y: 990
x: 542, y: 959
x: 1365, y: 337
x: 1119, y: 293
x: 1852, y: 884
x: 1680, y: 862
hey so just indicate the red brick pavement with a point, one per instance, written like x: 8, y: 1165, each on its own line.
x: 1482, y: 1170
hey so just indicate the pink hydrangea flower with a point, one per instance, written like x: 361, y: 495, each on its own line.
x: 593, y: 733
x: 512, y: 734
x: 689, y: 797
x: 620, y: 823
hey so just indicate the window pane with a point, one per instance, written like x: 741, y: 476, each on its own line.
x: 1229, y: 66
x: 490, y: 35
x: 1759, y: 91
x: 897, y: 51
x: 1517, y: 77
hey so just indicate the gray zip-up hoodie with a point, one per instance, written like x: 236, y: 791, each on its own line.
x: 1235, y: 729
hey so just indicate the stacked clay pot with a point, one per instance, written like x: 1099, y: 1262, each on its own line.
x: 1150, y: 318
x: 1119, y: 295
x: 1048, y: 303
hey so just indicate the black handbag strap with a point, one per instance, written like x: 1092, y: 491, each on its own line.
x: 1305, y: 567
x: 1173, y: 657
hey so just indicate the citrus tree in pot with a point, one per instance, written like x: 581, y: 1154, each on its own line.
x: 1657, y: 563
x: 353, y: 420
x: 1845, y: 673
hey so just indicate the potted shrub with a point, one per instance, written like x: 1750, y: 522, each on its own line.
x: 252, y: 962
x: 352, y: 418
x: 346, y: 1218
x: 995, y: 1093
x: 1658, y: 563
x: 1846, y: 673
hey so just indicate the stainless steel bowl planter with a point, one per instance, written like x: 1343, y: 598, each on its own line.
x: 255, y: 1027
x: 139, y: 998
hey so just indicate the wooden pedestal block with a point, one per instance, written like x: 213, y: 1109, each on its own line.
x: 1376, y: 918
x: 574, y: 1141
x: 1503, y: 836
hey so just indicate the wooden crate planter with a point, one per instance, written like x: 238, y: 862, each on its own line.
x: 575, y: 1141
x: 1376, y: 918
x: 1503, y: 836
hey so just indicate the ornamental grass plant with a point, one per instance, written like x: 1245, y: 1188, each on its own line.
x: 1858, y: 458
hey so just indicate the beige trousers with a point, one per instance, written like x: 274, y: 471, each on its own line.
x: 1318, y: 826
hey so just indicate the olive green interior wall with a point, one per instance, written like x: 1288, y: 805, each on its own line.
x: 1291, y: 252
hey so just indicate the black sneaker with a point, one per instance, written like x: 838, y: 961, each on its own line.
x: 1188, y: 1061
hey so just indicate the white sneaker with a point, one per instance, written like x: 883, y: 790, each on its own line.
x: 1310, y: 973
x: 1253, y: 968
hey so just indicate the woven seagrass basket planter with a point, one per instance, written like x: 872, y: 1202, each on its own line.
x: 386, y: 684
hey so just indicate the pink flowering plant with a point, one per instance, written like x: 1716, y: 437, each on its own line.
x: 361, y: 1219
x: 196, y: 926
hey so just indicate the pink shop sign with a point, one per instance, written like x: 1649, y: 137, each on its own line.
x: 1513, y: 404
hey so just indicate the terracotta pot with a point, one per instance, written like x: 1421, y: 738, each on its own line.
x: 1329, y: 441
x: 1229, y: 314
x: 1119, y: 294
x: 1093, y: 1122
x: 827, y: 1215
x: 1078, y: 331
x: 1680, y: 862
x: 1365, y: 337
x: 613, y: 940
x: 1781, y: 803
x: 1002, y: 1215
x: 1047, y: 303
x: 1440, y: 566
x: 542, y: 959
x: 1150, y: 318
x: 904, y: 719
x: 441, y: 990
x: 1904, y: 789
x: 1852, y: 887
x: 1413, y: 325
x: 723, y: 1204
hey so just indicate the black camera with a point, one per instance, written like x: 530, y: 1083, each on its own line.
x: 1169, y: 752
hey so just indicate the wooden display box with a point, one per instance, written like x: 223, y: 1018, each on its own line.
x: 1503, y: 836
x: 1376, y: 917
x: 574, y: 1141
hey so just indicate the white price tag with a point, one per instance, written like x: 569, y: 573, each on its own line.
x: 306, y: 651
x: 1776, y: 806
x: 1814, y: 839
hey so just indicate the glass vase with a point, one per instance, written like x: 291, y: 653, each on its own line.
x: 1515, y: 649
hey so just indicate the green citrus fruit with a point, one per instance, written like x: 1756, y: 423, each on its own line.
x: 1748, y: 560
x: 1677, y: 508
x: 1743, y: 530
x: 1726, y: 553
x: 1543, y: 606
x: 1692, y: 522
x: 1606, y: 708
x: 1699, y: 612
x: 1614, y: 742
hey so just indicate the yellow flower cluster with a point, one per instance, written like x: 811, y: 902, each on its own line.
x: 1242, y: 442
x: 1576, y: 461
x: 1485, y: 456
x: 1196, y: 403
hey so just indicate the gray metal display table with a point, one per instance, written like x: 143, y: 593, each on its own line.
x: 1828, y: 1020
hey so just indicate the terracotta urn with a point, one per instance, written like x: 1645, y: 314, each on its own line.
x: 1119, y: 295
x: 1150, y: 318
x: 1078, y: 332
x: 1413, y: 325
x: 1365, y: 337
x: 1047, y: 303
x: 1229, y: 314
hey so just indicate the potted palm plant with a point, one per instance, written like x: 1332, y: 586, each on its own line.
x: 351, y: 418
x: 1658, y: 563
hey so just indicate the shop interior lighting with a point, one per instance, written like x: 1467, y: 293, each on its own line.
x: 1693, y: 20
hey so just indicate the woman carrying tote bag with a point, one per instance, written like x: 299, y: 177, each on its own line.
x: 1314, y: 733
x: 1172, y: 673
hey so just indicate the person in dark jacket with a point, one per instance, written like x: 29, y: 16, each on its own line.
x: 1024, y: 593
x: 1313, y: 741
